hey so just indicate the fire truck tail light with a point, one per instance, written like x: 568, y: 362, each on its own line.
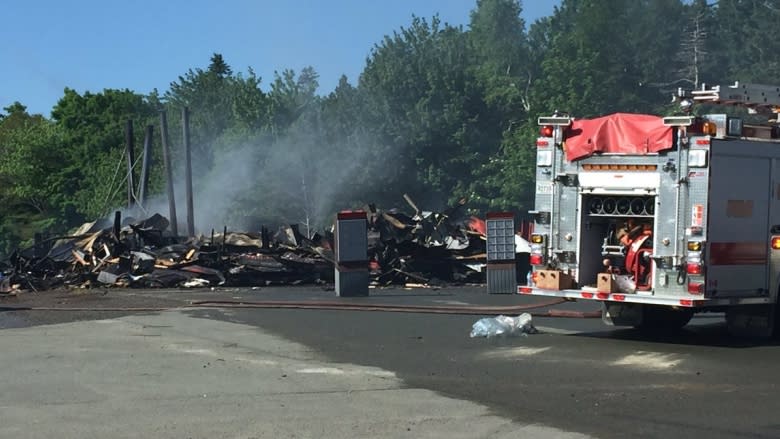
x: 697, y: 158
x: 544, y: 158
x: 694, y: 246
x: 776, y: 243
x: 695, y: 288
x: 541, y: 143
x: 536, y: 260
x: 693, y: 268
x: 546, y: 131
x: 537, y: 239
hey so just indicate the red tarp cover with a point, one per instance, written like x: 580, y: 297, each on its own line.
x: 620, y: 133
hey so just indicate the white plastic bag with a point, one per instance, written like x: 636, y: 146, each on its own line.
x: 503, y: 326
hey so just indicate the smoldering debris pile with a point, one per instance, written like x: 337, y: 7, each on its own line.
x: 425, y: 248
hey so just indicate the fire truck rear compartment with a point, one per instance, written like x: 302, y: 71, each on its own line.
x: 616, y: 237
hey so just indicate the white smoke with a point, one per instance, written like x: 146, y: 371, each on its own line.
x: 294, y: 180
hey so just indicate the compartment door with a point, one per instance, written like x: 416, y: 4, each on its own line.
x: 738, y: 229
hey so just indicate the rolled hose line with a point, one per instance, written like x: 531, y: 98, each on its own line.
x: 339, y: 306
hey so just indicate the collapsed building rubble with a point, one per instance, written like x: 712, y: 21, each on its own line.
x: 425, y: 248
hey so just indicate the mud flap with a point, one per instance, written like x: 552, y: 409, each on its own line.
x: 621, y: 314
x: 751, y: 320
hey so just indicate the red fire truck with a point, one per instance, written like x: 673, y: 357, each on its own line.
x: 659, y: 218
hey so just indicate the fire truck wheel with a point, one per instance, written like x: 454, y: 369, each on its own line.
x: 664, y: 318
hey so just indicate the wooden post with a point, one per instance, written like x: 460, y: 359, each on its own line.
x: 185, y: 117
x: 147, y: 164
x: 130, y: 150
x: 168, y: 172
x: 117, y: 224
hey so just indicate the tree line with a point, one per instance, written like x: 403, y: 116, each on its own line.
x: 440, y: 112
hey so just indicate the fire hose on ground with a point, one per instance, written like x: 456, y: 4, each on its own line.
x: 337, y: 306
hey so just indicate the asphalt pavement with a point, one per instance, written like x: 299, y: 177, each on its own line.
x: 576, y: 376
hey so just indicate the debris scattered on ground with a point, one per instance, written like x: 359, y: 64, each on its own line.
x: 503, y: 326
x: 424, y: 250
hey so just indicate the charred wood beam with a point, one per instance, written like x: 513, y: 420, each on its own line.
x: 222, y: 247
x: 117, y: 224
x: 130, y: 150
x: 147, y: 164
x: 265, y: 236
x: 185, y: 116
x: 38, y: 245
x: 168, y: 173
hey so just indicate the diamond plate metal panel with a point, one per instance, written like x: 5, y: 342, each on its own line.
x: 500, y: 239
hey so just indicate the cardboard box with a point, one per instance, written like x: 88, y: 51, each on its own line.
x: 553, y: 280
x: 606, y: 283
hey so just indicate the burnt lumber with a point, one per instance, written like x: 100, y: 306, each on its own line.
x: 424, y: 248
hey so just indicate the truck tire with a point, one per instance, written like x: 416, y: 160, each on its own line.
x: 664, y: 318
x: 753, y: 321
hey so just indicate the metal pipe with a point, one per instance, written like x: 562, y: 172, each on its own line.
x: 168, y: 172
x: 147, y: 163
x: 185, y: 117
x: 553, y: 242
x: 130, y: 151
x: 677, y: 201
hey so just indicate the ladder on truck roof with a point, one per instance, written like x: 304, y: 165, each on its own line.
x: 756, y: 97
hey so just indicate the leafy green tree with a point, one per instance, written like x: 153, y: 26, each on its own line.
x: 744, y: 40
x: 291, y: 97
x: 30, y: 182
x: 501, y: 54
x: 210, y: 95
x: 439, y: 112
x: 694, y: 63
x: 251, y: 107
x: 610, y: 56
x: 93, y: 132
x: 428, y: 110
x: 504, y: 70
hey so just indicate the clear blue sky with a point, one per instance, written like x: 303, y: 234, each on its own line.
x: 89, y: 45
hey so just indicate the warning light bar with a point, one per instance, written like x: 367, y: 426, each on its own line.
x: 678, y: 121
x: 561, y: 121
x: 616, y: 167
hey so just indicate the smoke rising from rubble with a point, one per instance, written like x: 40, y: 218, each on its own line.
x: 293, y: 180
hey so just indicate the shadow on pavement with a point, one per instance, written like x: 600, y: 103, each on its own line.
x: 710, y: 334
